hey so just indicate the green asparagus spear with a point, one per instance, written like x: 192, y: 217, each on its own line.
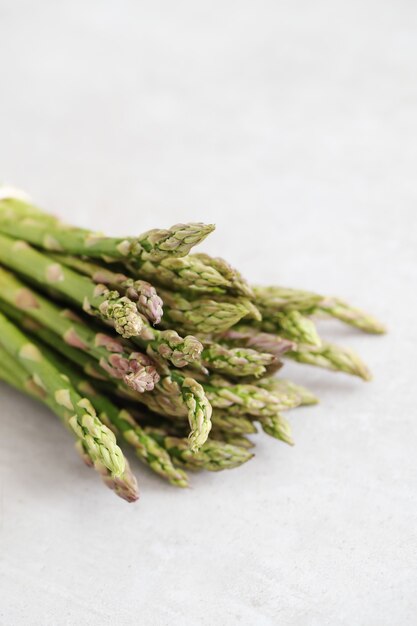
x: 143, y: 293
x: 246, y: 336
x: 174, y: 394
x: 182, y: 274
x: 237, y: 362
x: 125, y: 485
x: 86, y: 363
x: 99, y: 440
x: 212, y: 456
x: 94, y: 299
x: 135, y: 369
x: 224, y: 422
x: 235, y: 440
x: 238, y: 285
x: 205, y: 315
x: 276, y: 299
x: 167, y: 344
x: 292, y: 325
x: 350, y: 315
x: 53, y: 235
x: 121, y: 422
x: 280, y: 385
x: 249, y: 399
x: 278, y: 427
x: 331, y: 357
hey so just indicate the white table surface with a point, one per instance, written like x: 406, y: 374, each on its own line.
x: 292, y: 126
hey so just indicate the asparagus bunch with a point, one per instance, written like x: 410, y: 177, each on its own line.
x: 141, y: 342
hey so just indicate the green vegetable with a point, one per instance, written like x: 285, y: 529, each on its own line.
x: 99, y: 440
x: 184, y: 396
x: 91, y: 298
x: 54, y: 235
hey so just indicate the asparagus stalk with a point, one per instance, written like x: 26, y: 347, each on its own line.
x: 238, y: 284
x: 249, y: 399
x: 284, y: 299
x: 205, y: 315
x: 94, y: 299
x: 292, y: 325
x: 174, y: 394
x: 236, y: 440
x: 177, y: 396
x: 229, y: 424
x: 87, y: 364
x: 135, y: 369
x: 279, y: 385
x: 125, y: 485
x: 122, y: 423
x: 213, y: 456
x: 167, y: 344
x: 238, y: 362
x: 182, y: 274
x: 274, y: 299
x: 99, y: 440
x: 278, y: 427
x: 332, y: 357
x: 51, y: 234
x: 353, y: 316
x: 143, y: 293
x: 199, y: 409
x: 247, y: 336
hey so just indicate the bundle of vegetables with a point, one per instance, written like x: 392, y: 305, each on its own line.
x: 140, y: 341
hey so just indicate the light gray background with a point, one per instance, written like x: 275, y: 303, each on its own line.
x: 292, y: 125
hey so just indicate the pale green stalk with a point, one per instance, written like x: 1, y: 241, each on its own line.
x: 206, y: 314
x: 167, y: 344
x: 94, y: 299
x: 186, y: 273
x: 213, y: 456
x: 237, y: 362
x: 122, y: 423
x: 332, y: 357
x: 247, y: 336
x: 238, y: 284
x: 249, y: 399
x: 292, y: 325
x: 276, y: 298
x: 135, y: 369
x: 279, y: 385
x: 351, y: 315
x: 224, y: 422
x: 99, y: 440
x: 125, y: 486
x: 179, y: 396
x: 141, y: 292
x: 278, y: 427
x: 51, y: 234
x: 236, y: 440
